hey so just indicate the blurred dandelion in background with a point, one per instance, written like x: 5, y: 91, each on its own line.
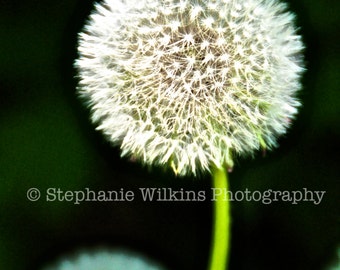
x: 103, y: 259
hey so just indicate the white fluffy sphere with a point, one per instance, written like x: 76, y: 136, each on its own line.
x: 190, y: 83
x: 105, y: 260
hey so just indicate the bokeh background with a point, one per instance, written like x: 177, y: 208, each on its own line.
x: 46, y: 140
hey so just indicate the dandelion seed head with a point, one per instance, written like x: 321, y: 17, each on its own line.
x: 97, y: 259
x: 190, y: 84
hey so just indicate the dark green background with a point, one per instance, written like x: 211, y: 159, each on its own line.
x: 46, y: 140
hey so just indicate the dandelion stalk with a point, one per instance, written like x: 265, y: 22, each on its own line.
x: 221, y: 230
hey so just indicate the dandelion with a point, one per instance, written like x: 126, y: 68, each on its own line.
x: 105, y: 260
x: 191, y: 84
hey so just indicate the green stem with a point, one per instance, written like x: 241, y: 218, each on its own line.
x: 221, y: 234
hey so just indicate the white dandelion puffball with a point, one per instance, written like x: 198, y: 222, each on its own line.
x: 190, y: 83
x: 105, y: 260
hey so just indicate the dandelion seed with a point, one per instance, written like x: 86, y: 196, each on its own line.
x: 190, y: 84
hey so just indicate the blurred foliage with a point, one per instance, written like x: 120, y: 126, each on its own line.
x: 46, y: 140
